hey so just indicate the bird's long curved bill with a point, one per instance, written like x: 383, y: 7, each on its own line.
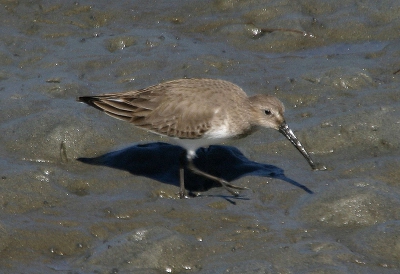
x: 285, y: 130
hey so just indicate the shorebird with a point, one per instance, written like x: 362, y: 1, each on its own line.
x: 195, y: 113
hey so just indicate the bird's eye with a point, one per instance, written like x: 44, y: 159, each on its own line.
x: 267, y: 112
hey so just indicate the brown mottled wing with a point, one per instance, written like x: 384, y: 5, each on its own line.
x: 178, y: 117
x: 124, y: 106
x: 168, y: 109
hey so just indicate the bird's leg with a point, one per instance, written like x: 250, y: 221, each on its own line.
x: 182, y: 163
x: 224, y: 183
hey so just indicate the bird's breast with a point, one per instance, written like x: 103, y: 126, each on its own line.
x: 227, y: 127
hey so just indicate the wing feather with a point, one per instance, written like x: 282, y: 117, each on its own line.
x: 176, y: 108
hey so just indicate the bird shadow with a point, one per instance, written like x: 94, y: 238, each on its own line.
x: 160, y: 161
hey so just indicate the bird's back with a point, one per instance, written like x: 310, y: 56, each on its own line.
x: 184, y: 108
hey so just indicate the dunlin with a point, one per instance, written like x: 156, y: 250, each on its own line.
x: 196, y: 113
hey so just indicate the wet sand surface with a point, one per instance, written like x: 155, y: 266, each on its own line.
x: 116, y: 209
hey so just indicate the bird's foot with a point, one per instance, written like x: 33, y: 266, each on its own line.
x: 230, y: 187
x: 183, y: 194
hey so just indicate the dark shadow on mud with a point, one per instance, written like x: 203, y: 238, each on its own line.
x: 160, y: 161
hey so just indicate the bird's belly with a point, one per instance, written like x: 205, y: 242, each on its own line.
x: 191, y: 145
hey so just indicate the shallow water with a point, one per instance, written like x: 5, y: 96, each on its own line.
x: 340, y: 85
